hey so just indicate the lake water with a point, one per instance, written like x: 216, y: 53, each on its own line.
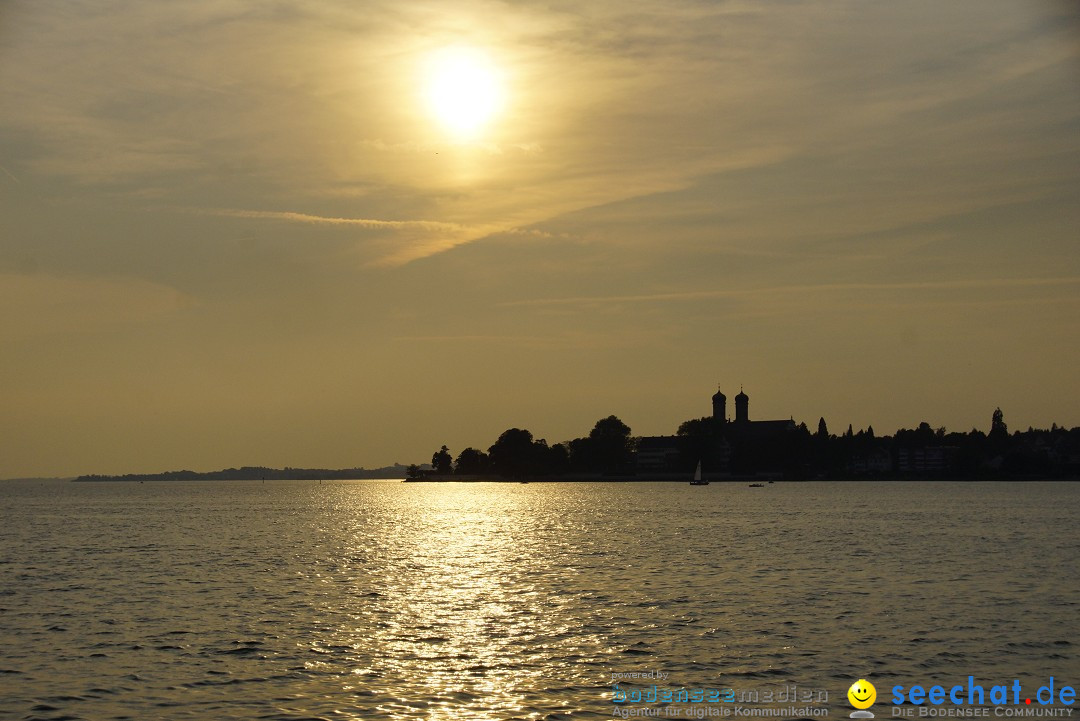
x: 384, y: 600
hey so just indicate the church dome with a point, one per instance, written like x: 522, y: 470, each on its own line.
x: 742, y: 407
x: 719, y: 396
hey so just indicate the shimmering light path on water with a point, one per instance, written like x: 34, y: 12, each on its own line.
x: 383, y: 600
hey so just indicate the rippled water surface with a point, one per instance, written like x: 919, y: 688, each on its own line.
x: 369, y: 600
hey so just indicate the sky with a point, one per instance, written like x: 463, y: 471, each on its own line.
x: 244, y: 233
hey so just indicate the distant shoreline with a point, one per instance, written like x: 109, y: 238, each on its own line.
x: 118, y: 479
x: 258, y: 473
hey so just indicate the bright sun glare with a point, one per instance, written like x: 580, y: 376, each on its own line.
x: 462, y: 89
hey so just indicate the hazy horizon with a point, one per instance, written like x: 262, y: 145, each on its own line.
x: 235, y: 235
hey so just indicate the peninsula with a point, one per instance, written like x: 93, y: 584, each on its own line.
x: 740, y: 448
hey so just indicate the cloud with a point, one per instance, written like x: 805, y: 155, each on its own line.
x: 607, y: 104
x: 428, y: 225
x: 414, y: 239
x: 425, y: 237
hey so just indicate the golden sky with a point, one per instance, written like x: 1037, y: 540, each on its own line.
x: 272, y: 233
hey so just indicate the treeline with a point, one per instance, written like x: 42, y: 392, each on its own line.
x: 607, y: 450
x: 1049, y: 453
x: 260, y: 473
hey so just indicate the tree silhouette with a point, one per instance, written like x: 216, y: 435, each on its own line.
x: 998, y: 430
x: 514, y: 454
x: 702, y: 439
x: 611, y: 438
x: 471, y: 462
x: 998, y: 438
x: 698, y: 427
x: 557, y: 460
x: 442, y: 461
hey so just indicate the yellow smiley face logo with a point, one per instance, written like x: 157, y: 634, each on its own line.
x: 862, y: 694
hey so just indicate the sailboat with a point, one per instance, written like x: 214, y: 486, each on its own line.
x: 697, y: 477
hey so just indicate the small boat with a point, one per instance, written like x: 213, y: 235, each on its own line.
x: 756, y: 485
x: 697, y: 477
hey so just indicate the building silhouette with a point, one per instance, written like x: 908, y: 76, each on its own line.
x: 717, y: 442
x: 719, y: 406
x: 742, y: 428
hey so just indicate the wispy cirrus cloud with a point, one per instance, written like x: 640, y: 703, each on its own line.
x: 295, y: 217
x: 426, y: 237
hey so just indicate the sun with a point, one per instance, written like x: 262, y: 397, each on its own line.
x: 463, y: 90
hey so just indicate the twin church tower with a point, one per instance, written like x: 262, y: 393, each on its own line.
x: 742, y: 407
x: 742, y: 427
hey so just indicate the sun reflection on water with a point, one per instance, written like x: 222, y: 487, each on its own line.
x: 460, y: 615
